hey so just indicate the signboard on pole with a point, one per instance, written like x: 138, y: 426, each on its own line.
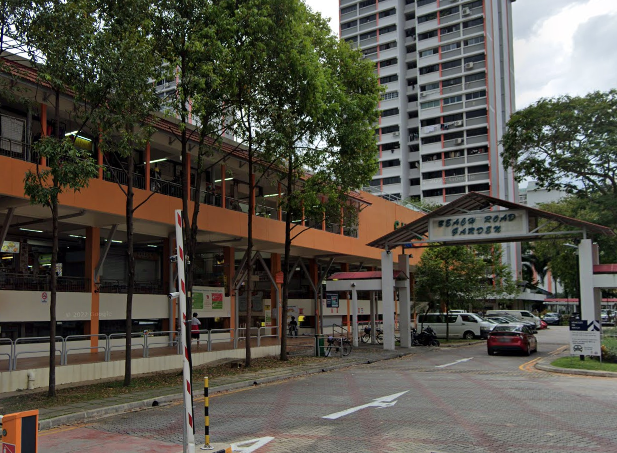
x: 332, y: 300
x: 585, y: 338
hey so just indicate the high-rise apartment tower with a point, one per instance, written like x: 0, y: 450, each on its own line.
x: 448, y: 73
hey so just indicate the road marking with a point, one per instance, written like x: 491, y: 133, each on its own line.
x: 530, y: 366
x: 454, y: 363
x: 384, y: 401
x: 251, y: 445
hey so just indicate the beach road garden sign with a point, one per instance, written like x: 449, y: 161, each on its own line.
x: 482, y: 225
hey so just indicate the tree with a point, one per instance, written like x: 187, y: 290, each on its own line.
x: 568, y: 143
x: 458, y: 276
x: 123, y: 62
x: 55, y: 37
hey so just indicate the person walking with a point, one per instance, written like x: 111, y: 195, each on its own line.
x: 293, y: 327
x: 195, y: 323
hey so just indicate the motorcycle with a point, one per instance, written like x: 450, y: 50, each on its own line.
x: 427, y: 337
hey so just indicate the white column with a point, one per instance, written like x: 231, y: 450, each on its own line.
x: 404, y: 303
x: 387, y: 297
x: 373, y: 315
x: 590, y: 307
x: 354, y: 309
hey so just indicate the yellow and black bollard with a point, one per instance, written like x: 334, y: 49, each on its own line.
x: 206, y: 417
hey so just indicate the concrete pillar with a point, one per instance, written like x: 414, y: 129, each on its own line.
x: 373, y: 311
x: 92, y: 256
x: 590, y: 303
x: 387, y: 297
x: 405, y: 303
x: 354, y: 307
x: 314, y: 271
x: 345, y: 268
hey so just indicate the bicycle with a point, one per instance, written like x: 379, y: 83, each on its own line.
x: 338, y: 344
x: 366, y: 336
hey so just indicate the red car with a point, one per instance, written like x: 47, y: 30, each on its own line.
x: 543, y: 324
x: 511, y: 337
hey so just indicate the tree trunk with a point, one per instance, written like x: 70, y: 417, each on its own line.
x: 249, y: 253
x: 286, y: 262
x: 52, y: 304
x: 131, y: 269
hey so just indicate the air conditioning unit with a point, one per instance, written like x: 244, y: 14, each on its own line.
x: 469, y: 65
x: 424, y: 94
x: 466, y: 11
x: 458, y: 123
x: 459, y: 141
x: 396, y: 134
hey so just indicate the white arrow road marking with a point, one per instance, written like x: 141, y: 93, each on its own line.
x: 251, y: 445
x: 384, y: 401
x: 454, y: 363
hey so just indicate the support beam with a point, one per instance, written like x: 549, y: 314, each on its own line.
x: 7, y: 223
x: 354, y: 308
x: 404, y: 305
x: 590, y: 304
x: 99, y: 266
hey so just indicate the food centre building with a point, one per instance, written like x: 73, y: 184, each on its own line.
x: 92, y: 269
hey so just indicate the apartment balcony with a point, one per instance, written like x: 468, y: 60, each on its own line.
x: 453, y: 107
x: 449, y: 19
x: 414, y: 173
x: 478, y: 139
x: 389, y: 53
x: 426, y: 26
x: 414, y: 190
x: 349, y: 31
x: 410, y: 7
x: 413, y: 156
x: 477, y: 158
x: 455, y: 161
x: 475, y: 84
x: 386, y: 4
x: 454, y: 36
x: 429, y: 78
x: 433, y: 200
x: 481, y: 120
x: 413, y: 122
x: 411, y: 56
x: 478, y: 29
x: 389, y: 20
x: 484, y: 176
x: 367, y: 42
x: 476, y: 66
x: 434, y: 183
x: 346, y: 16
x: 431, y: 59
x: 388, y: 70
x: 347, y: 2
x: 452, y: 89
x: 431, y: 165
x: 412, y: 89
x: 455, y: 179
x: 451, y: 72
x: 431, y: 148
x: 368, y: 26
x: 429, y: 95
x: 389, y: 103
x: 429, y: 112
x: 450, y: 54
x: 456, y: 143
x: 427, y: 43
x: 411, y: 106
x: 368, y: 9
x: 473, y: 49
x: 480, y: 102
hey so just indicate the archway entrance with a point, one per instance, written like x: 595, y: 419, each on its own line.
x: 475, y: 219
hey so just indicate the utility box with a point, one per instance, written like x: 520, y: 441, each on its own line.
x: 20, y: 432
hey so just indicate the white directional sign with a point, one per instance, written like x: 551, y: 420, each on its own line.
x: 585, y: 338
x: 384, y: 401
x: 249, y: 446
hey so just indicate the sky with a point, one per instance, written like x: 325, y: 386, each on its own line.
x: 560, y: 46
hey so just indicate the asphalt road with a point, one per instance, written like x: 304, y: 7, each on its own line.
x: 440, y: 400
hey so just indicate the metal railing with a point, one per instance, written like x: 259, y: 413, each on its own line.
x: 36, y: 340
x: 66, y: 349
x: 141, y: 287
x: 145, y: 341
x: 11, y: 351
x: 27, y: 282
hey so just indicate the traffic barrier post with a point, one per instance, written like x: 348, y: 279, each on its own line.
x: 207, y: 445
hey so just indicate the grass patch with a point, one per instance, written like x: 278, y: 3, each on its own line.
x: 587, y: 364
x: 70, y: 395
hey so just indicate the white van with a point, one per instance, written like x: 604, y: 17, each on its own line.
x: 523, y: 315
x: 461, y: 325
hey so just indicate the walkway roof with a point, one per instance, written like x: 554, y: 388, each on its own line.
x: 474, y: 202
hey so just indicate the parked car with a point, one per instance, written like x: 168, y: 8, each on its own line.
x: 523, y: 315
x: 543, y: 324
x: 507, y: 319
x: 606, y: 318
x: 552, y: 319
x: 459, y: 325
x: 511, y: 337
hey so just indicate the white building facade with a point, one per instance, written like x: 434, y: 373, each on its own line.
x: 448, y: 72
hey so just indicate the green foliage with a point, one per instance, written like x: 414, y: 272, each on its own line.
x: 569, y: 143
x: 68, y: 168
x: 457, y: 276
